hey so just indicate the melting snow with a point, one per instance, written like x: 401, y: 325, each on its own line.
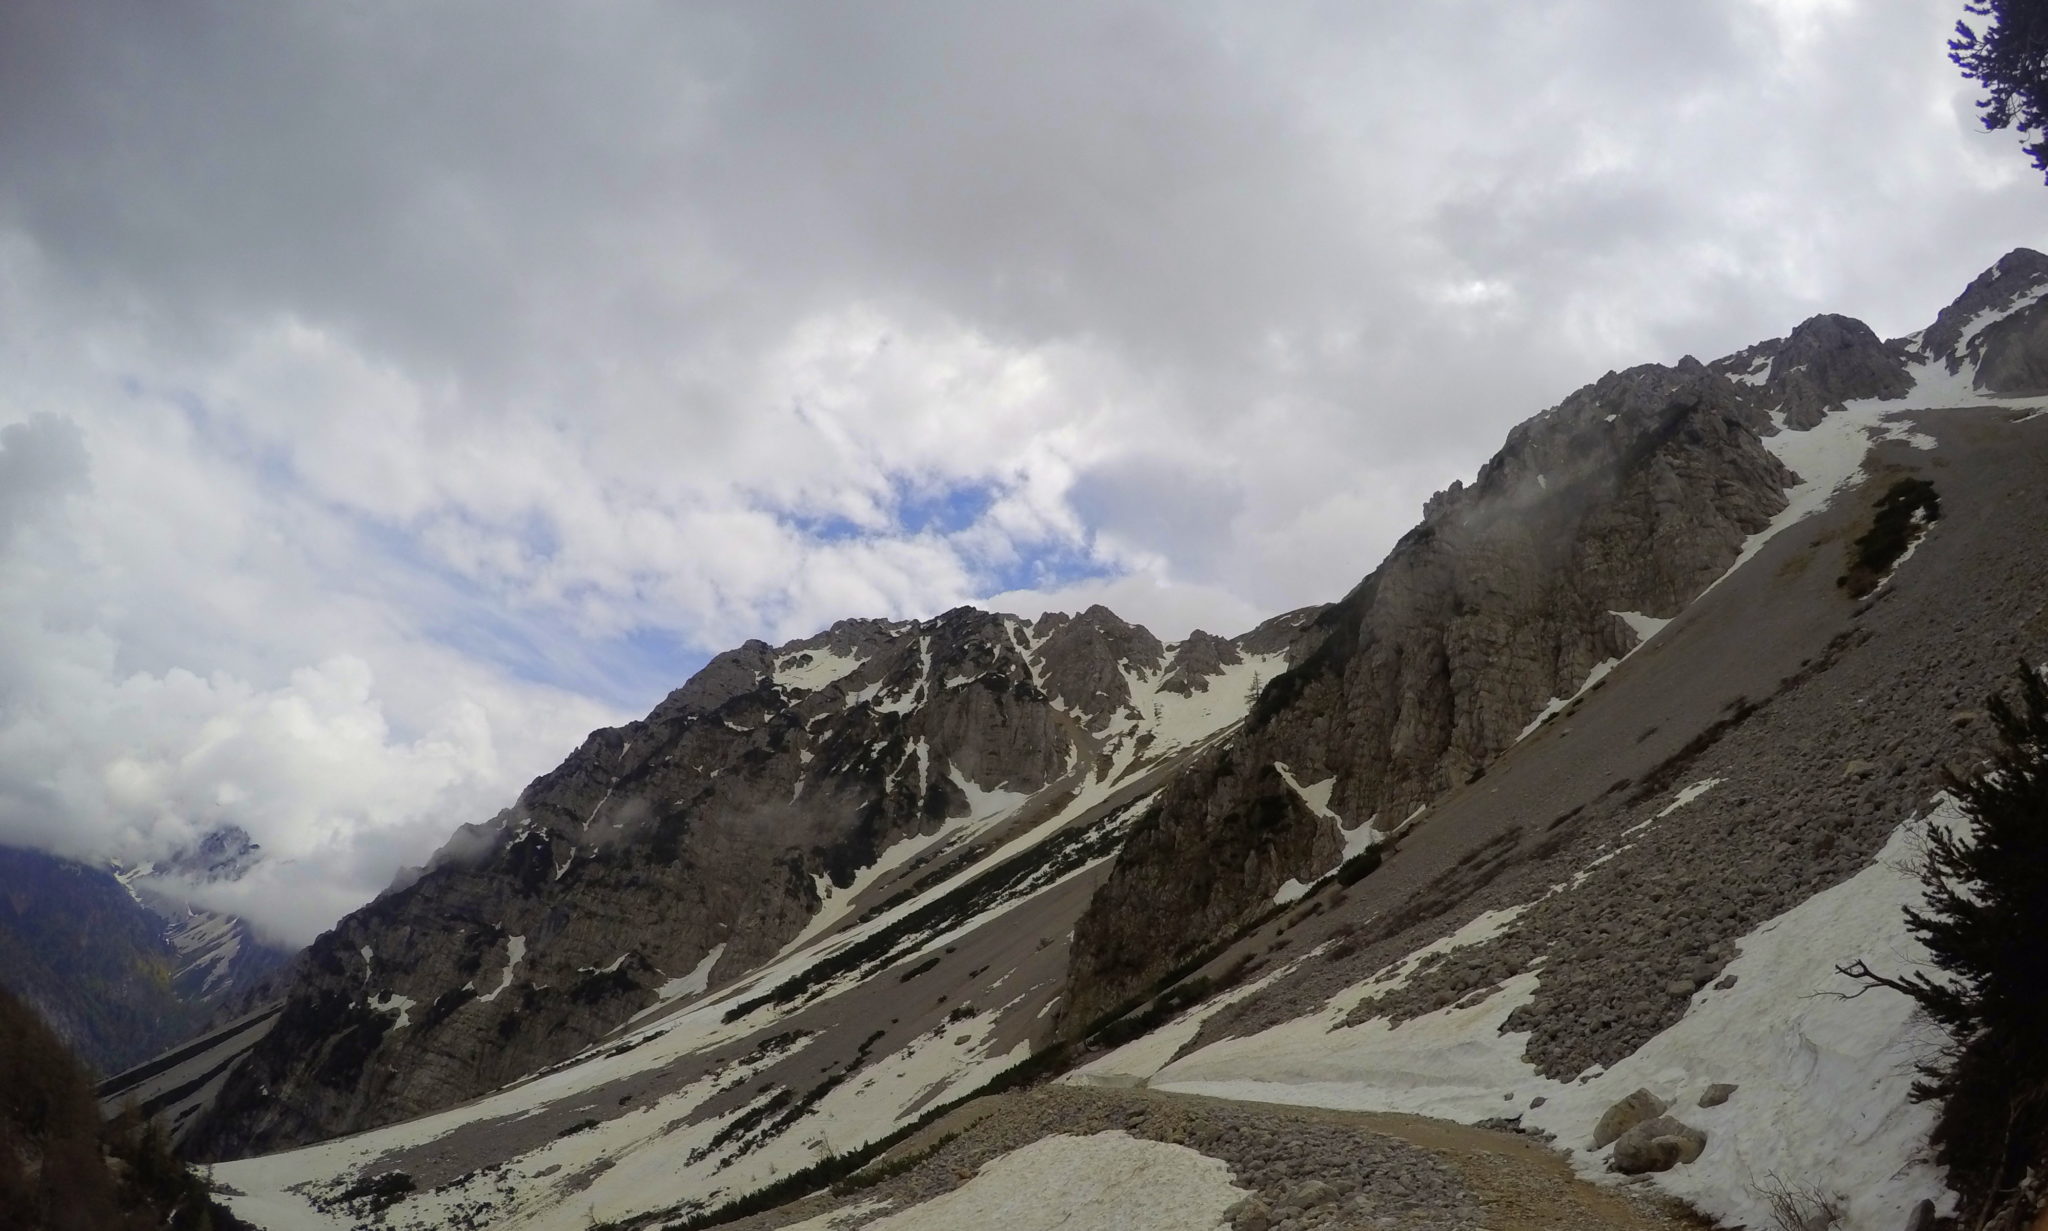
x: 1829, y: 457
x: 825, y: 667
x: 1316, y: 798
x: 393, y: 1002
x: 515, y: 952
x: 1822, y: 1080
x: 1645, y: 626
x: 692, y: 984
x: 1103, y: 1180
x: 1557, y: 704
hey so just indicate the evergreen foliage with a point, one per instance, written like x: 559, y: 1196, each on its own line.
x: 2009, y: 58
x: 62, y: 1169
x: 1983, y: 926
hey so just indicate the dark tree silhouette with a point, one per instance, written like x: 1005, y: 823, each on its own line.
x: 2009, y: 58
x: 1984, y: 928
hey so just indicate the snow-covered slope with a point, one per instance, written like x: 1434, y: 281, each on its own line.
x: 931, y: 972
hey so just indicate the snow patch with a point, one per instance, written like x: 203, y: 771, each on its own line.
x: 1107, y: 1179
x: 985, y: 808
x: 1822, y: 1081
x: 692, y: 984
x: 1557, y: 704
x: 1316, y: 798
x: 1644, y: 626
x: 515, y: 952
x: 392, y: 1002
x: 824, y: 667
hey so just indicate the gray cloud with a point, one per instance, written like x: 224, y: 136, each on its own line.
x: 41, y: 461
x: 456, y: 354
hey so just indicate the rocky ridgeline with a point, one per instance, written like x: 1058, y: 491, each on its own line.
x: 694, y: 842
x: 1631, y: 496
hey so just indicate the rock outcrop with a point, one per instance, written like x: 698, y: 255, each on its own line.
x: 1627, y: 499
x: 1998, y: 326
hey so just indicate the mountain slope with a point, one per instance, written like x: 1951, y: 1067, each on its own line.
x: 771, y: 795
x: 1647, y: 706
x: 117, y: 962
x: 89, y: 959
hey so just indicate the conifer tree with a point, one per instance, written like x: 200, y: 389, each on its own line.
x: 1985, y: 927
x: 2010, y: 60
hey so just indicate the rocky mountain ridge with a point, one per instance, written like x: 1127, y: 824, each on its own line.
x: 1598, y: 521
x: 666, y: 855
x: 1587, y: 788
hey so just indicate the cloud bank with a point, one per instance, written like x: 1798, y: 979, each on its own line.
x: 394, y: 394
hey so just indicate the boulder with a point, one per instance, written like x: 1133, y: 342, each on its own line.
x: 1922, y: 1217
x: 1311, y: 1193
x: 1657, y: 1144
x: 1625, y: 1115
x: 1716, y: 1094
x: 1250, y: 1214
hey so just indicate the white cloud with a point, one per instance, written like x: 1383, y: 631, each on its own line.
x: 389, y: 401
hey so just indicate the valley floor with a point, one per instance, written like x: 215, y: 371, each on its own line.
x: 1141, y: 1158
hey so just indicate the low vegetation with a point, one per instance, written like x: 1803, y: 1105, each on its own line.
x: 62, y: 1168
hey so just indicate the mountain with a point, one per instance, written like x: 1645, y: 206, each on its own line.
x: 219, y: 957
x: 778, y: 791
x: 1560, y: 821
x: 115, y: 960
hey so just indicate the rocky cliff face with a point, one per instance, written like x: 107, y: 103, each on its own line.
x: 679, y: 851
x: 1597, y: 519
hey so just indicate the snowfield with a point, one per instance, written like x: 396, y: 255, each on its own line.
x: 1821, y: 1075
x: 1103, y: 1182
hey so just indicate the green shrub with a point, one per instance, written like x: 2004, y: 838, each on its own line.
x: 1902, y: 515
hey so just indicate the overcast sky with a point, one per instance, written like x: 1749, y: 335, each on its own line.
x: 392, y: 393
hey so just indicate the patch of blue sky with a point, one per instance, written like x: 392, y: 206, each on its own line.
x: 914, y: 506
x: 544, y: 645
x: 1048, y: 565
x: 940, y: 508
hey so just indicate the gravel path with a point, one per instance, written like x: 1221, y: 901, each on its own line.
x: 1307, y: 1167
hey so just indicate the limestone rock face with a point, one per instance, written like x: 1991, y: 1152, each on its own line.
x: 1631, y: 496
x: 1200, y: 657
x: 1626, y: 500
x: 683, y: 849
x: 1829, y: 360
x: 1976, y: 328
x: 2015, y: 354
x: 1085, y: 660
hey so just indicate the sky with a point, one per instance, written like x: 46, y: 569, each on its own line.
x: 391, y: 394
